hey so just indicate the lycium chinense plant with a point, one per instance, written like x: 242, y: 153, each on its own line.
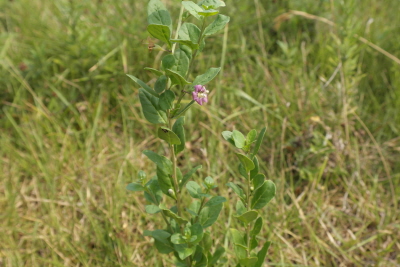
x: 185, y: 233
x: 255, y: 194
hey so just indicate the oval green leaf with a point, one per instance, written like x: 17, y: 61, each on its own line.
x: 238, y: 138
x: 264, y: 194
x: 248, y: 216
x: 150, y: 108
x: 217, y: 25
x: 206, y: 77
x: 135, y: 187
x: 247, y: 163
x: 161, y: 32
x: 169, y: 136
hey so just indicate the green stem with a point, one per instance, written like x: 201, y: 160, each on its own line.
x: 248, y: 209
x: 178, y: 28
x: 174, y: 175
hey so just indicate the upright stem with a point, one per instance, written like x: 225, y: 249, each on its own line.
x: 177, y: 28
x: 248, y: 209
x: 174, y: 176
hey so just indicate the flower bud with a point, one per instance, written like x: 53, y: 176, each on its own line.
x: 209, y: 182
x: 141, y: 175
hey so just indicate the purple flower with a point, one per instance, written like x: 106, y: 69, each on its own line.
x: 200, y: 94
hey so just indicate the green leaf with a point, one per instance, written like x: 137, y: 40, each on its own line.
x: 240, y: 245
x: 259, y: 141
x: 187, y: 176
x: 161, y: 241
x: 208, y: 13
x: 152, y: 209
x: 157, y: 13
x: 253, y: 243
x: 160, y: 84
x: 198, y: 254
x: 166, y: 100
x: 227, y: 135
x: 217, y: 25
x: 216, y: 200
x: 142, y: 84
x: 161, y: 32
x: 163, y: 247
x: 236, y: 189
x: 251, y: 136
x: 194, y: 189
x: 240, y: 208
x: 186, y: 42
x: 217, y: 255
x: 197, y: 231
x: 155, y: 192
x: 257, y: 226
x: 247, y: 163
x: 264, y: 194
x: 173, y: 215
x: 187, y: 50
x: 181, y: 65
x: 206, y: 77
x: 162, y: 162
x: 203, y: 261
x: 207, y: 241
x: 164, y: 171
x: 135, y: 187
x: 156, y: 72
x: 195, y: 206
x: 176, y: 78
x: 243, y: 171
x: 157, y: 234
x: 193, y: 9
x: 262, y: 254
x: 248, y: 216
x: 248, y: 262
x: 209, y: 215
x: 258, y: 180
x: 189, y: 31
x: 254, y: 171
x: 191, y: 212
x: 238, y: 138
x: 168, y: 61
x: 150, y: 108
x: 178, y: 129
x: 177, y: 239
x: 169, y: 136
x: 184, y: 251
x: 212, y: 3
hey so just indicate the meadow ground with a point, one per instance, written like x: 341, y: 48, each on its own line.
x: 323, y: 76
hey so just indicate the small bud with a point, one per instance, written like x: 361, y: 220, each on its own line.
x: 141, y: 175
x: 187, y: 233
x: 209, y: 182
x: 171, y: 192
x: 252, y: 188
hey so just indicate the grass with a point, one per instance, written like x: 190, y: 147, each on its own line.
x: 72, y: 131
